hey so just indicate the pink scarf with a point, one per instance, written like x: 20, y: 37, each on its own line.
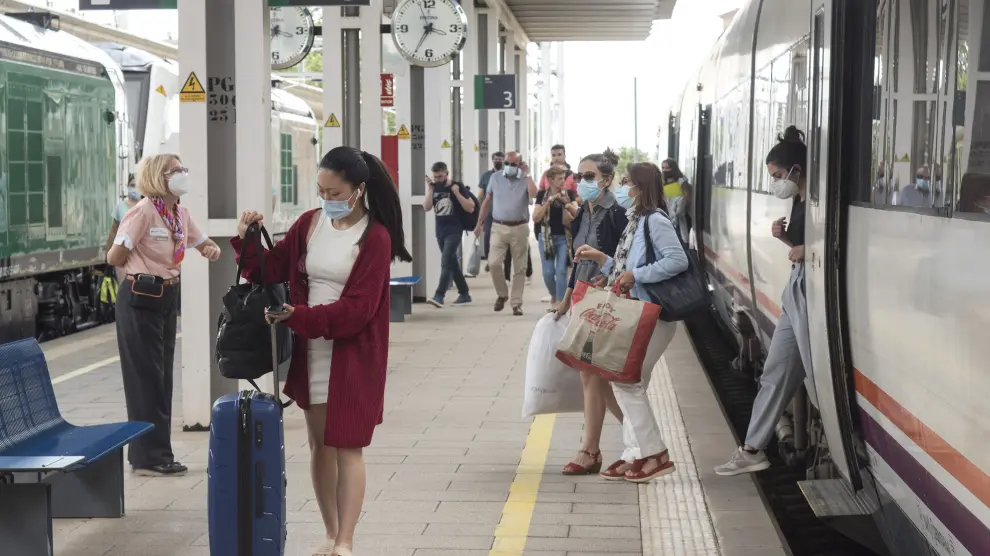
x: 174, y: 222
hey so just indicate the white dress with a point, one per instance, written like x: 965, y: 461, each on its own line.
x: 330, y: 256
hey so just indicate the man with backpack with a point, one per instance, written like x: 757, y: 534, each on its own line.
x: 456, y: 210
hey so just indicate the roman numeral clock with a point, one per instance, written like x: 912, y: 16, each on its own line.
x: 429, y: 33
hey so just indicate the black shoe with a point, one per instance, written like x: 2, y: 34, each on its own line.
x: 174, y: 469
x: 500, y: 303
x: 517, y: 311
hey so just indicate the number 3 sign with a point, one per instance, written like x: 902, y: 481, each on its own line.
x: 495, y: 92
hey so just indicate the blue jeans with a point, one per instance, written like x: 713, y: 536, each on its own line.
x: 450, y: 266
x: 555, y: 271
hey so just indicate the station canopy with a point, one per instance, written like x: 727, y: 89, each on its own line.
x: 588, y: 20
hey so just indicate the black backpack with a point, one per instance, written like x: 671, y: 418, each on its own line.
x: 244, y: 349
x: 469, y: 220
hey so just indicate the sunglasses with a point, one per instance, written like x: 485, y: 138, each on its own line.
x: 588, y: 176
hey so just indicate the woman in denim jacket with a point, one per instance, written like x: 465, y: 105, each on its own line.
x: 645, y: 456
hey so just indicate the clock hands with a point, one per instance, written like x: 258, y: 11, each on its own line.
x: 426, y: 33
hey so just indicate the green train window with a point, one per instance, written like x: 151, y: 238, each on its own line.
x: 54, y: 172
x: 25, y: 144
x: 286, y: 168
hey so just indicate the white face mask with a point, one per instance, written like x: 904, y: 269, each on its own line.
x: 785, y: 188
x: 178, y: 184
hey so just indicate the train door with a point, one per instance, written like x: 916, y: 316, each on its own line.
x: 834, y: 36
x: 701, y: 201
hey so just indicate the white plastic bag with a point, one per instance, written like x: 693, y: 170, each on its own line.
x: 472, y: 265
x: 551, y: 386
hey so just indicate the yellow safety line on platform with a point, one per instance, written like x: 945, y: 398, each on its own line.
x: 92, y: 367
x: 513, y: 528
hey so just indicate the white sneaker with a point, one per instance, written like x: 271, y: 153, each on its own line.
x: 545, y: 299
x: 743, y: 462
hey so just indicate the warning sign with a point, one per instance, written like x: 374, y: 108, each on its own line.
x: 332, y: 121
x: 161, y: 90
x: 445, y: 145
x: 193, y: 90
x: 403, y: 132
x: 475, y: 147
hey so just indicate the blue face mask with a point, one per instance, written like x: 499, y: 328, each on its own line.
x: 335, y: 210
x: 588, y: 190
x: 133, y: 194
x: 922, y: 183
x: 511, y: 171
x: 622, y: 196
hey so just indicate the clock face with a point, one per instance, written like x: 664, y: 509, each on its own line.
x: 429, y: 32
x: 291, y: 37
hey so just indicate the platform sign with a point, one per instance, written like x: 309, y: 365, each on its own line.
x: 495, y: 92
x: 173, y: 4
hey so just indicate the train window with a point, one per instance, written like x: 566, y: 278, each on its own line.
x: 970, y: 120
x: 53, y: 169
x: 286, y: 168
x: 764, y: 124
x: 817, y: 101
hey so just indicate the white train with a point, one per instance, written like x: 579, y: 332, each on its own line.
x: 897, y: 249
x: 153, y: 84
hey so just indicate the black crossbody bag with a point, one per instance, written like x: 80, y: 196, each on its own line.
x: 680, y: 296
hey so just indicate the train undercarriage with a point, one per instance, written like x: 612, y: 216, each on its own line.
x: 57, y: 304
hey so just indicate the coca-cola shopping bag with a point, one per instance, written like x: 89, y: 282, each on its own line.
x: 607, y: 334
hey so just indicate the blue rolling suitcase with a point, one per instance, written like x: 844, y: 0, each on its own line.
x: 246, y: 473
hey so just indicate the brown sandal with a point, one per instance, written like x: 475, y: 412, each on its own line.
x: 612, y: 473
x: 577, y: 469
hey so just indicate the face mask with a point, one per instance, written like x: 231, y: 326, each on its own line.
x: 588, y: 190
x: 178, y: 184
x: 622, y: 197
x: 498, y: 166
x: 335, y: 210
x: 511, y: 171
x: 133, y: 194
x: 785, y: 188
x: 922, y: 183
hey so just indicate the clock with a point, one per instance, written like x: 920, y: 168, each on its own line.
x: 429, y: 33
x: 292, y: 36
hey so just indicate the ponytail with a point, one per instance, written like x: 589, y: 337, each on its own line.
x: 384, y: 204
x: 357, y: 167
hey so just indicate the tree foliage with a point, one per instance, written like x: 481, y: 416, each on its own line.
x: 627, y: 155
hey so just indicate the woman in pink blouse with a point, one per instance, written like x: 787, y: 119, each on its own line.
x: 150, y: 245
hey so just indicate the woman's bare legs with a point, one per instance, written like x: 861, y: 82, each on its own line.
x: 323, y: 468
x: 598, y: 397
x: 351, y: 481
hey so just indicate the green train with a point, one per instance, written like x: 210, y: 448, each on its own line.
x: 63, y: 165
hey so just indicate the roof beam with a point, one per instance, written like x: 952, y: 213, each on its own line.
x: 508, y: 19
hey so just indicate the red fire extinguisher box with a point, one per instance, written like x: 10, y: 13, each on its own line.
x: 390, y: 156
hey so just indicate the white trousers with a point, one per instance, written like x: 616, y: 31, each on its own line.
x: 640, y: 431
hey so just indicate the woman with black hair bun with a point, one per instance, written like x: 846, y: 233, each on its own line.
x: 336, y: 259
x: 790, y: 348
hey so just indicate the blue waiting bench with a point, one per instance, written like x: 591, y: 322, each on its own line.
x: 401, y: 296
x: 49, y: 468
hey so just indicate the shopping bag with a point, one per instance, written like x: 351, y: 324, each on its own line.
x: 551, y: 386
x: 607, y: 334
x: 473, y: 266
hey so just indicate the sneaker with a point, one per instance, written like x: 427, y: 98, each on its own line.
x: 517, y: 311
x: 500, y: 303
x: 743, y: 462
x: 436, y: 302
x: 545, y: 299
x: 174, y: 469
x: 462, y: 300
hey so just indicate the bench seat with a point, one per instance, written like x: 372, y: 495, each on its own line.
x: 400, y: 294
x: 51, y: 468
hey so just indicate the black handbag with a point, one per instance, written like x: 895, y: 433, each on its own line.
x: 244, y: 346
x: 679, y: 296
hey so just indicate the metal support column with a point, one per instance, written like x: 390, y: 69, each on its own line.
x: 351, y: 83
x: 503, y: 120
x: 469, y: 117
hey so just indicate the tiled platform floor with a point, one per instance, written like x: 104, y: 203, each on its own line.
x: 441, y: 466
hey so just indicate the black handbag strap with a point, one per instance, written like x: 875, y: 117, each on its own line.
x: 259, y: 232
x: 651, y: 256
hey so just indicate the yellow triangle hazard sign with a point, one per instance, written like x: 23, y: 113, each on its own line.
x: 403, y: 132
x: 193, y: 90
x: 332, y: 121
x: 161, y: 90
x: 445, y: 145
x: 475, y: 147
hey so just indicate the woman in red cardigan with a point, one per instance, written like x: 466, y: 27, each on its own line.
x: 336, y: 260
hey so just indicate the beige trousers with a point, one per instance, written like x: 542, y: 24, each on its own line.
x: 514, y: 239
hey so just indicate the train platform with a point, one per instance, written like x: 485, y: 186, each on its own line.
x: 454, y: 469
